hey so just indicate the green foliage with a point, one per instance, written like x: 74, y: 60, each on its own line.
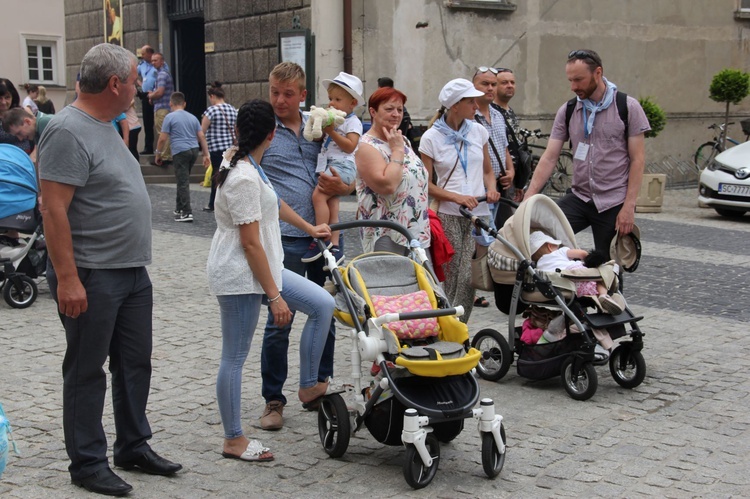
x: 657, y: 118
x: 730, y: 85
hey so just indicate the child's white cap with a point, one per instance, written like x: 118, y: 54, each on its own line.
x: 538, y: 238
x: 350, y: 83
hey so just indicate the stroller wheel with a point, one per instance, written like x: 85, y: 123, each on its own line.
x: 334, y: 426
x: 21, y: 295
x: 628, y: 367
x: 496, y: 355
x: 418, y: 475
x: 580, y: 385
x: 492, y: 460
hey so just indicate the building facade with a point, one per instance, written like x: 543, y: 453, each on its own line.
x: 32, y: 37
x: 659, y: 48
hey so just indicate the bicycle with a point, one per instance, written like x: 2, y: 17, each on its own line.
x: 706, y: 152
x: 562, y: 176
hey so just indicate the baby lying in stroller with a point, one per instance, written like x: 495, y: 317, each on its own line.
x: 551, y: 257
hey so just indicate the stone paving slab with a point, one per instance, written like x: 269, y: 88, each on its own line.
x: 683, y: 433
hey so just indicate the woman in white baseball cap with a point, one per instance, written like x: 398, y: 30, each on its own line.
x: 455, y: 148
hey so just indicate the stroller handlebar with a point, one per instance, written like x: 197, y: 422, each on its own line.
x: 481, y: 199
x: 422, y: 314
x: 387, y: 224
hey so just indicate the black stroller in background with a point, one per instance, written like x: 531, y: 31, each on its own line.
x: 22, y: 259
x: 518, y: 286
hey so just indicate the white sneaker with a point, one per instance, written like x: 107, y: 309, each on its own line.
x: 183, y: 217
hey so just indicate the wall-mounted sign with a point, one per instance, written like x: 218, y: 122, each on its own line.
x: 298, y: 45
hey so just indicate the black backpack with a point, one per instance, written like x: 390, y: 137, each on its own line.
x: 621, y: 101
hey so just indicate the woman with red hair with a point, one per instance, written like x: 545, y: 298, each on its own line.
x: 391, y: 179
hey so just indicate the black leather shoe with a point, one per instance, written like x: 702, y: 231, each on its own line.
x: 152, y: 463
x: 105, y: 482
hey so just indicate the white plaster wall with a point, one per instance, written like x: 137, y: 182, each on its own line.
x: 665, y: 49
x: 328, y: 26
x: 33, y: 17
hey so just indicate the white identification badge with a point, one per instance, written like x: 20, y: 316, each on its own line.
x: 466, y: 189
x: 582, y: 151
x: 321, y: 166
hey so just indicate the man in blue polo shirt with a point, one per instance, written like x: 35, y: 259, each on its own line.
x: 147, y: 77
x: 183, y: 131
x: 290, y: 164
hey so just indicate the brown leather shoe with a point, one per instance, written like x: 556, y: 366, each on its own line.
x: 273, y: 416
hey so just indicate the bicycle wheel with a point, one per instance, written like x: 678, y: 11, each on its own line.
x: 705, y: 154
x: 562, y: 177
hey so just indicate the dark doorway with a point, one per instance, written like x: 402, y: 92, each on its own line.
x: 190, y: 63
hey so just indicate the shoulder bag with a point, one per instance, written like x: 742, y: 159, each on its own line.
x: 434, y: 203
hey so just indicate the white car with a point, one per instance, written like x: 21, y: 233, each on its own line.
x: 725, y: 182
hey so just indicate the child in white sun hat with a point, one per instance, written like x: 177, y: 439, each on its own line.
x: 337, y: 153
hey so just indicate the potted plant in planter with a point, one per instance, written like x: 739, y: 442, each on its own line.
x: 651, y: 195
x: 729, y: 86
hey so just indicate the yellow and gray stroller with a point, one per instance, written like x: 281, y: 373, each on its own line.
x: 412, y: 363
x: 520, y: 288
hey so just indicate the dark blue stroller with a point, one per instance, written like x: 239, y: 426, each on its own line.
x: 22, y: 259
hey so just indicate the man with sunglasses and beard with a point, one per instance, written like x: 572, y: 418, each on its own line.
x: 608, y: 160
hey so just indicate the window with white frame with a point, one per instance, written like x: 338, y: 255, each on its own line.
x: 745, y: 5
x: 41, y: 59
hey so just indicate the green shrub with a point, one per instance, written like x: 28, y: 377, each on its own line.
x: 655, y: 114
x: 730, y: 86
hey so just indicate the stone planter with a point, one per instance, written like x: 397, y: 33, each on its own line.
x: 651, y: 196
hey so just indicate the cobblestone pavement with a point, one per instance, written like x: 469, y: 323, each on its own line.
x: 683, y: 433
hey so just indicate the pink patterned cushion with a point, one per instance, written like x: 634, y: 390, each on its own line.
x: 411, y: 302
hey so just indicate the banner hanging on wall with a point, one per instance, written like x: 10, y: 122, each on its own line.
x: 113, y: 21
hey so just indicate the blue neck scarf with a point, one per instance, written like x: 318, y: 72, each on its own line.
x: 592, y: 107
x: 456, y: 137
x: 264, y: 178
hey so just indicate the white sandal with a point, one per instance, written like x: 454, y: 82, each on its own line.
x: 254, y: 452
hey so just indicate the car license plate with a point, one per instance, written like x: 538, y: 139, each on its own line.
x: 734, y: 190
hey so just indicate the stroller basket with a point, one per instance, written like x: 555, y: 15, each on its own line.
x: 543, y: 361
x: 451, y: 396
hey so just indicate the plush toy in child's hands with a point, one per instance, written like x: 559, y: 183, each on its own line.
x: 321, y: 118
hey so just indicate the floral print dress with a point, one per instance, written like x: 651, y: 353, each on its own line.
x: 407, y: 206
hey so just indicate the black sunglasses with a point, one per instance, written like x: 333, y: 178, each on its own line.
x: 504, y: 70
x: 584, y: 54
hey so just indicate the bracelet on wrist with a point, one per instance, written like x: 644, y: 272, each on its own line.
x: 271, y: 300
x: 397, y: 161
x: 157, y: 152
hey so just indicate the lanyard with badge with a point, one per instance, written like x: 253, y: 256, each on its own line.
x: 582, y: 150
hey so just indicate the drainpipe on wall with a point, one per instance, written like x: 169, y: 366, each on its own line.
x: 348, y: 36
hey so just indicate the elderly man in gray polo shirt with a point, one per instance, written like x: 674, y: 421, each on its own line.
x: 607, y: 166
x: 290, y: 164
x: 97, y: 221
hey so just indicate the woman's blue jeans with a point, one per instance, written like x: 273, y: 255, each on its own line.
x: 239, y: 318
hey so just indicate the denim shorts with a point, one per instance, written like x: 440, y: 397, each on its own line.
x: 346, y: 169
